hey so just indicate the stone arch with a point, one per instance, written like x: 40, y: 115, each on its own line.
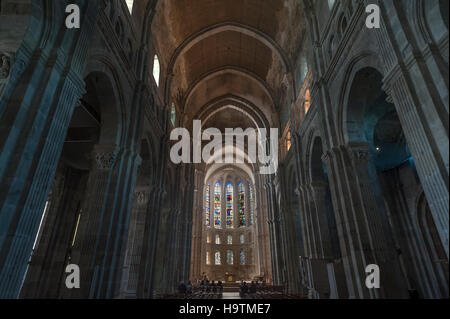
x: 234, y: 70
x: 365, y: 59
x: 238, y: 103
x: 314, y: 158
x: 219, y: 28
x: 115, y: 109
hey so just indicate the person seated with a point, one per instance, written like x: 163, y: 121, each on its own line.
x: 182, y: 288
x: 214, y: 287
x: 243, y: 290
x: 220, y: 286
x: 253, y: 288
x: 189, y: 288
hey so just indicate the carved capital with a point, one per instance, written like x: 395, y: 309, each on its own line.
x: 360, y: 152
x: 142, y: 197
x: 105, y: 160
x: 5, y: 66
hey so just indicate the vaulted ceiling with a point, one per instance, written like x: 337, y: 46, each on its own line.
x: 217, y: 49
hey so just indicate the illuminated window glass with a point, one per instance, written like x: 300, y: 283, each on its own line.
x: 156, y: 69
x: 230, y: 257
x: 288, y: 141
x: 307, y: 102
x: 242, y: 239
x: 242, y: 220
x: 230, y: 240
x: 217, y: 258
x: 173, y: 114
x: 217, y: 240
x: 208, y: 260
x: 252, y: 204
x: 229, y: 196
x: 217, y: 205
x: 130, y: 5
x: 242, y: 257
x: 207, y: 207
x: 331, y: 4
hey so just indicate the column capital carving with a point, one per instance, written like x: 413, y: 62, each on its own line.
x: 5, y: 66
x: 105, y: 160
x: 359, y: 152
x: 142, y: 197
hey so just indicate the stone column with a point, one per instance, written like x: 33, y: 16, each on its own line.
x: 198, y: 224
x: 308, y: 225
x: 318, y: 191
x: 45, y: 82
x: 275, y: 235
x: 100, y: 250
x: 151, y: 233
x: 413, y: 80
x: 363, y: 236
x: 134, y: 246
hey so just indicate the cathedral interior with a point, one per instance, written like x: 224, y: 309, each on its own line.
x: 86, y: 121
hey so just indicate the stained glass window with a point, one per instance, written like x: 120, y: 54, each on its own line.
x: 242, y: 257
x: 252, y: 204
x: 242, y: 221
x: 217, y: 258
x: 242, y: 239
x: 207, y: 207
x: 217, y: 240
x: 230, y: 257
x: 208, y: 260
x: 217, y: 205
x: 229, y: 194
x: 230, y: 240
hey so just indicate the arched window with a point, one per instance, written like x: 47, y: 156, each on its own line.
x: 230, y: 240
x: 230, y: 257
x: 208, y: 239
x: 242, y: 257
x: 288, y: 141
x: 242, y: 239
x: 252, y: 203
x: 217, y: 258
x: 307, y: 102
x: 130, y: 5
x: 242, y: 221
x: 217, y: 240
x: 331, y: 4
x: 173, y: 114
x: 207, y: 207
x: 304, y: 68
x: 156, y: 69
x: 217, y: 205
x: 229, y: 190
x: 208, y: 260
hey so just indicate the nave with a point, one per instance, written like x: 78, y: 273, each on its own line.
x: 339, y: 161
